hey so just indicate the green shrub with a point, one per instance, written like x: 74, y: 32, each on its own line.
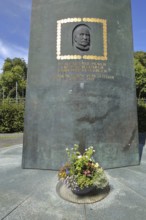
x: 11, y: 117
x: 141, y: 116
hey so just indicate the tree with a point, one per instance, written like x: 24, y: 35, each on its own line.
x: 14, y: 75
x: 140, y: 73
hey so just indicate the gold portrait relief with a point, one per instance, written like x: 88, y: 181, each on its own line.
x: 81, y: 39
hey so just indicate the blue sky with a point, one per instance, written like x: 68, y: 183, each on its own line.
x: 15, y: 27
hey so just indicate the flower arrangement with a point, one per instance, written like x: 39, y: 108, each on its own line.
x: 81, y: 171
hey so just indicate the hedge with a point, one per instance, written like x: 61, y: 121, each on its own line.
x: 11, y: 117
x: 142, y: 116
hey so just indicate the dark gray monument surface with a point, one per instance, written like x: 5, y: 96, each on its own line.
x: 80, y: 83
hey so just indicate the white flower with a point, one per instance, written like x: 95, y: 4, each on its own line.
x: 79, y: 156
x: 66, y: 149
x: 97, y: 165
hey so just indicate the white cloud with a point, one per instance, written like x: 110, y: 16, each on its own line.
x: 11, y: 51
x: 1, y: 64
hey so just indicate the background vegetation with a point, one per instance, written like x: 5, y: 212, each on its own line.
x: 11, y: 117
x: 13, y: 79
x: 140, y: 76
x: 12, y: 95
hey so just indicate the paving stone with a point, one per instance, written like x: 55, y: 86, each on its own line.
x: 27, y: 194
x: 121, y: 204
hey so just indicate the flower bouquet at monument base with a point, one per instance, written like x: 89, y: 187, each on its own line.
x: 81, y: 173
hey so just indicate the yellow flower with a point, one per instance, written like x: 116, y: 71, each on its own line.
x: 62, y: 174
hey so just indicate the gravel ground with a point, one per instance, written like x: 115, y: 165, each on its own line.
x: 7, y: 140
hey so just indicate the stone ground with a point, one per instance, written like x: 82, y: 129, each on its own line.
x: 27, y: 194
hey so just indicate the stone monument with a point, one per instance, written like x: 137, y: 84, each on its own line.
x: 81, y: 85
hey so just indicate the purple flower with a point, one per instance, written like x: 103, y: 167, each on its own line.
x: 67, y: 171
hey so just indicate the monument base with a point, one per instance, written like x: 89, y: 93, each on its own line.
x: 94, y: 196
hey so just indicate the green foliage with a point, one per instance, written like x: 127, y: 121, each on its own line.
x: 81, y: 170
x: 7, y: 65
x: 140, y: 73
x: 11, y: 117
x: 141, y: 56
x: 142, y: 116
x: 14, y: 71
